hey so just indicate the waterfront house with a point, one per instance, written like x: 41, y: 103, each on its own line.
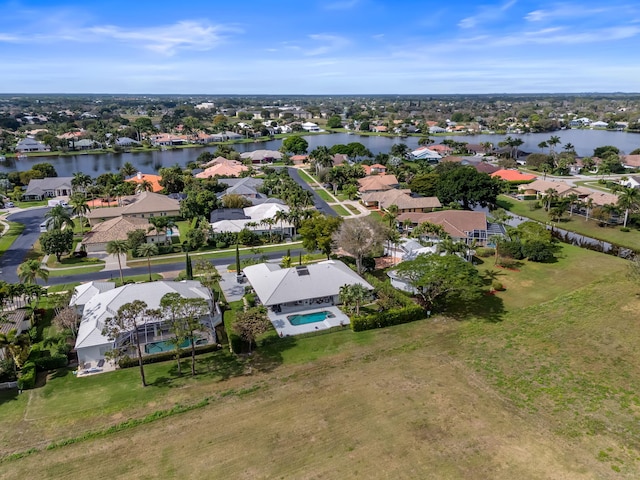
x: 31, y: 145
x: 41, y: 188
x: 461, y: 225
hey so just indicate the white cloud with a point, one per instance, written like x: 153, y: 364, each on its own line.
x: 485, y: 14
x: 167, y: 40
x: 330, y: 43
x: 564, y: 11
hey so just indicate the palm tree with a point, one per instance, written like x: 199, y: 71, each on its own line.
x: 542, y: 145
x: 573, y: 200
x: 552, y: 142
x: 31, y: 270
x: 144, y: 186
x: 391, y: 212
x: 118, y: 247
x: 128, y: 169
x: 81, y: 181
x: 550, y: 196
x: 281, y: 216
x: 515, y: 144
x: 147, y: 250
x: 353, y: 296
x: 321, y: 157
x: 16, y: 346
x: 629, y: 200
x: 79, y: 207
x: 425, y: 140
x: 588, y: 205
x: 58, y: 217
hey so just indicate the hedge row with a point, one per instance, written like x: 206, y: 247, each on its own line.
x: 388, y: 318
x: 128, y: 362
x: 27, y: 378
x: 380, y: 286
x: 52, y: 362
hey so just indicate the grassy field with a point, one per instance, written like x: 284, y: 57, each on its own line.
x: 324, y: 195
x: 6, y: 240
x: 574, y: 223
x: 538, y: 381
x: 340, y: 210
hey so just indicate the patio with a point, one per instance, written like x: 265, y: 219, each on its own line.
x: 284, y: 327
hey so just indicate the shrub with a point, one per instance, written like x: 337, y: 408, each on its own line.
x: 51, y: 363
x: 128, y: 362
x: 497, y: 286
x: 537, y: 251
x: 387, y: 318
x: 27, y: 379
x: 625, y: 229
x: 485, y: 252
x: 221, y: 245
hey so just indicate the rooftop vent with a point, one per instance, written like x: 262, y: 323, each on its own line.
x: 302, y: 271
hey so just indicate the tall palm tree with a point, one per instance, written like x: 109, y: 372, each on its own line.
x: 31, y: 270
x: 391, y: 212
x: 321, y: 157
x: 552, y: 142
x: 628, y: 200
x: 79, y: 207
x: 118, y: 247
x: 128, y: 169
x: 550, y: 196
x: 573, y: 201
x: 17, y: 347
x: 147, y: 250
x: 58, y: 217
x: 542, y: 145
x: 588, y: 204
x: 81, y: 182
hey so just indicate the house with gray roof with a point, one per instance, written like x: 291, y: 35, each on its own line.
x: 92, y: 345
x: 126, y: 142
x: 303, y: 298
x: 31, y: 145
x: 142, y: 205
x: 41, y: 188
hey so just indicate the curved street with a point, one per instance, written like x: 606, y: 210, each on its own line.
x: 31, y: 219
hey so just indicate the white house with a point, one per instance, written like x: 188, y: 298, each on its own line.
x: 599, y: 124
x: 425, y: 153
x: 303, y: 299
x: 633, y: 181
x: 310, y: 127
x: 252, y: 218
x: 92, y: 345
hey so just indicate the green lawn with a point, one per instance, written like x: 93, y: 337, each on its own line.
x: 325, y: 195
x: 352, y: 209
x: 575, y: 223
x: 15, y: 229
x: 31, y: 203
x: 306, y: 177
x: 75, y: 270
x: 340, y: 210
x: 549, y: 377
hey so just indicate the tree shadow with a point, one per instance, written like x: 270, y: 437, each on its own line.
x: 489, y: 307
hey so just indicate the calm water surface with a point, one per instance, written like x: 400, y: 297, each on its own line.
x: 584, y: 141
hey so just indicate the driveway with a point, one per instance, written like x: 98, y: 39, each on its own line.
x: 15, y: 255
x: 319, y: 203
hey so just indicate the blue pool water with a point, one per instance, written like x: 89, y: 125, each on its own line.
x: 159, y: 347
x: 309, y: 318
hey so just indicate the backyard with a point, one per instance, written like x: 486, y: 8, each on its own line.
x: 539, y: 382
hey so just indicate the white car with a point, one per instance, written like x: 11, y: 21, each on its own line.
x: 9, y: 204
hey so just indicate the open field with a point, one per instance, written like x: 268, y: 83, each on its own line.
x: 575, y: 223
x: 546, y: 389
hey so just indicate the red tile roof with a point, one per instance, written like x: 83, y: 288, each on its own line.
x: 513, y: 175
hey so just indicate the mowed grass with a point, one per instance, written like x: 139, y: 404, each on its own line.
x: 340, y: 210
x: 549, y: 391
x: 6, y: 240
x: 575, y: 223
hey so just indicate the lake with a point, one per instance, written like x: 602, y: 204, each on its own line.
x: 584, y: 141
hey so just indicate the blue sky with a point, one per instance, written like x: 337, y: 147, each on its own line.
x: 319, y: 47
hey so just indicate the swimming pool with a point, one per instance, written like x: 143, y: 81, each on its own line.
x: 166, y: 346
x: 305, y: 318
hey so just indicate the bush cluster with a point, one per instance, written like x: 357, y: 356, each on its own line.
x: 51, y: 363
x: 128, y: 362
x: 485, y: 252
x: 27, y: 379
x: 387, y: 318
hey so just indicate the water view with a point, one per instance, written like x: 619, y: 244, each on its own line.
x: 584, y: 142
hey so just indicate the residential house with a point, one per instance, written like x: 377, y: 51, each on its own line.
x: 223, y: 168
x: 599, y: 124
x: 141, y: 205
x: 539, y: 187
x: 461, y: 225
x: 86, y: 291
x: 303, y: 299
x: 92, y: 345
x: 126, y: 142
x: 84, y: 144
x: 441, y: 149
x: 262, y: 156
x: 340, y: 159
x: 426, y: 153
x: 153, y: 180
x: 377, y: 183
x: 118, y: 228
x: 299, y: 159
x: 31, y: 145
x: 485, y: 167
x: 633, y: 181
x: 511, y: 175
x: 168, y: 140
x: 252, y: 218
x: 41, y: 188
x: 437, y: 129
x: 403, y: 199
x: 299, y: 114
x: 375, y: 169
x: 310, y: 127
x: 247, y: 187
x: 408, y: 249
x: 630, y: 161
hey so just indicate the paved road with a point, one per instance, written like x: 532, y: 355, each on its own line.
x: 16, y: 254
x: 167, y: 267
x: 320, y: 204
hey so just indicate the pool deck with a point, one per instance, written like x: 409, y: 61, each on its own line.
x: 285, y: 329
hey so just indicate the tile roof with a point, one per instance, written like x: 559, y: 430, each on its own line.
x: 228, y: 168
x: 455, y: 222
x: 154, y: 180
x: 116, y: 229
x: 377, y: 182
x: 401, y: 198
x: 511, y: 175
x: 142, y: 203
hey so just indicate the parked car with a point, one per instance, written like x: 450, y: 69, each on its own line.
x: 9, y: 204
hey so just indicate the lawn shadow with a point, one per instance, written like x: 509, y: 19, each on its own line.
x: 9, y: 395
x: 489, y: 307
